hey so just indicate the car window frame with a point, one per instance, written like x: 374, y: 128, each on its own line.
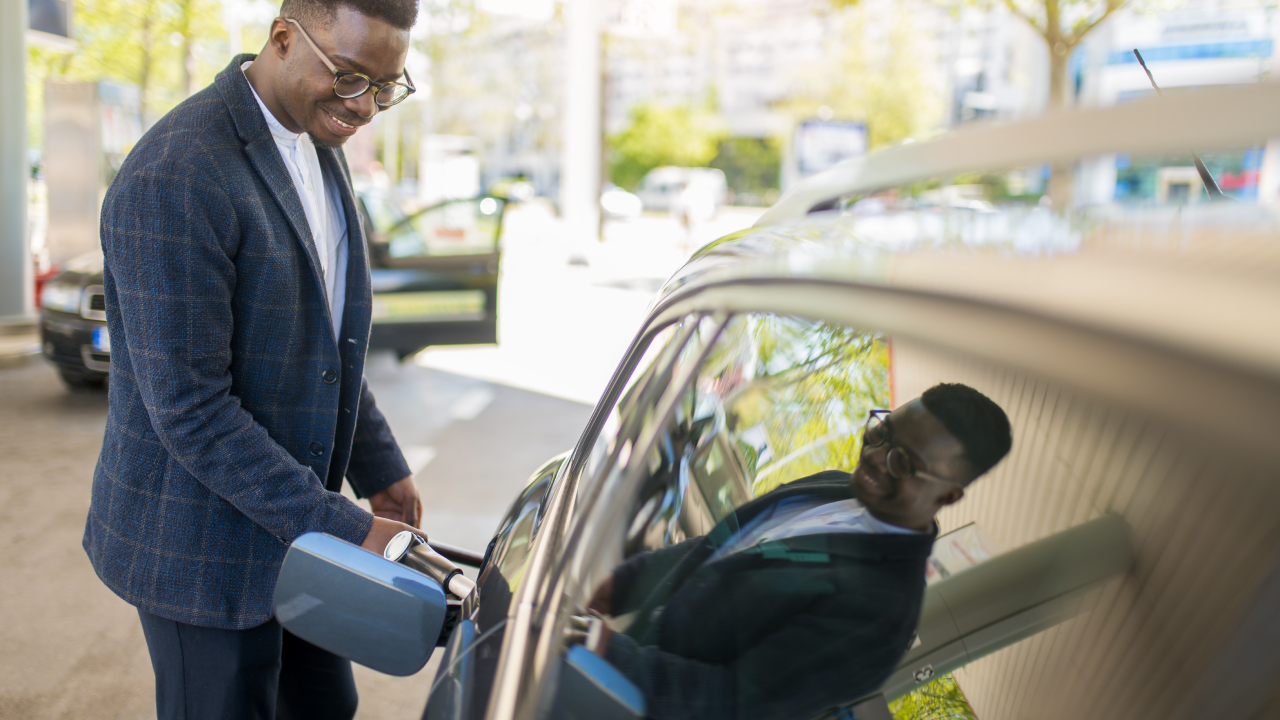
x: 539, y: 619
x: 510, y: 696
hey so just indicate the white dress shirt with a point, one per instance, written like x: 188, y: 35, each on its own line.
x: 803, y: 515
x: 322, y: 202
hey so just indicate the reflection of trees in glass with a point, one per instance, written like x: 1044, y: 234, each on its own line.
x: 795, y: 393
x: 776, y: 399
x: 939, y: 700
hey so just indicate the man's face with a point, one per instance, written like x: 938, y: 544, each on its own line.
x: 352, y: 42
x: 912, y: 501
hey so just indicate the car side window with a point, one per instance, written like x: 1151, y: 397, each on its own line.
x: 457, y: 227
x: 650, y: 375
x: 731, y: 582
x: 777, y: 398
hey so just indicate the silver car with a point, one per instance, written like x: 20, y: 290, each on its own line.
x: 1120, y: 563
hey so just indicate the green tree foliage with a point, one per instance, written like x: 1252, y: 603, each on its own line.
x: 939, y: 700
x: 168, y: 48
x: 879, y: 79
x: 662, y: 135
x: 750, y: 165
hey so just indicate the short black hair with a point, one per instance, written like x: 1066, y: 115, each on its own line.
x: 974, y: 419
x: 400, y: 14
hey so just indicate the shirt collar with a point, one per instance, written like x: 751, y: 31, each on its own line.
x: 278, y: 131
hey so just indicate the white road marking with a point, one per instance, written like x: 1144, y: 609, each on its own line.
x: 471, y: 404
x: 418, y: 456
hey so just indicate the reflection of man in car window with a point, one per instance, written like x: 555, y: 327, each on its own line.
x: 807, y: 597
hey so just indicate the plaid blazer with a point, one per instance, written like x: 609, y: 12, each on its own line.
x: 234, y: 414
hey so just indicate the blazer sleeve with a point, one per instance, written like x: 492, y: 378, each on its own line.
x: 812, y: 662
x: 169, y: 242
x: 376, y: 460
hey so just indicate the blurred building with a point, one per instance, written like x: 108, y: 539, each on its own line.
x: 763, y: 67
x: 1202, y: 43
x: 500, y: 84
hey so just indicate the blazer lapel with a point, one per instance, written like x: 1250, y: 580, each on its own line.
x: 263, y: 154
x: 357, y: 309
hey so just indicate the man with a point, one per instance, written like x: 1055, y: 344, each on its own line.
x: 238, y: 302
x: 807, y: 597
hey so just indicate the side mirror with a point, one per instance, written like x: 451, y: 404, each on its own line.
x: 592, y: 688
x: 358, y: 605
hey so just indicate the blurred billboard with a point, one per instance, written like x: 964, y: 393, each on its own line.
x: 820, y: 144
x: 50, y: 16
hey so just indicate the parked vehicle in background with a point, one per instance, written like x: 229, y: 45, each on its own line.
x: 73, y: 323
x: 434, y: 275
x: 696, y: 193
x: 515, y: 189
x: 1126, y: 549
x: 618, y: 204
x: 434, y: 271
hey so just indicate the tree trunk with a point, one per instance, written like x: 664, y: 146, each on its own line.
x: 144, y: 76
x: 188, y: 52
x: 1062, y: 178
x: 1060, y: 89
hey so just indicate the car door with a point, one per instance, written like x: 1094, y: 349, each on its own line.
x: 746, y: 406
x: 479, y: 641
x: 434, y: 272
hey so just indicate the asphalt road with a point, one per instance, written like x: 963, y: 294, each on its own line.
x: 474, y: 423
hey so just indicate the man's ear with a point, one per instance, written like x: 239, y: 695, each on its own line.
x: 279, y: 38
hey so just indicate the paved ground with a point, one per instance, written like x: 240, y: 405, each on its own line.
x: 474, y: 421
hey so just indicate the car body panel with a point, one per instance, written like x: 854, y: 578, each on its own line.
x: 468, y: 665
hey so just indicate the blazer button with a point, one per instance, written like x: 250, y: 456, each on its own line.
x: 329, y: 376
x: 317, y: 449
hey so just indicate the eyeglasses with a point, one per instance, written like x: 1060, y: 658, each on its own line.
x: 348, y: 84
x: 879, y: 432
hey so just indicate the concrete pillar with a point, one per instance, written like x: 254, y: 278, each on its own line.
x: 16, y: 282
x: 580, y: 125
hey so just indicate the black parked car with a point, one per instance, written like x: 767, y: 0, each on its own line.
x: 73, y: 323
x: 1121, y: 562
x: 434, y: 276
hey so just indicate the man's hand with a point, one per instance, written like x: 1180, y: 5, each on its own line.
x: 398, y: 502
x: 382, y: 532
x: 602, y: 599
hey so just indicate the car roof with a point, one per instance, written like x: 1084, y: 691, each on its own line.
x: 1194, y: 278
x: 1204, y: 119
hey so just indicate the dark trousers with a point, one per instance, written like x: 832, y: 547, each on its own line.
x: 263, y: 673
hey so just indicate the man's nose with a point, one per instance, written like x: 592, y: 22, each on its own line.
x: 879, y: 456
x: 363, y: 105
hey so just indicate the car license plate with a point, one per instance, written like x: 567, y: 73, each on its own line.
x: 448, y: 306
x: 101, y: 339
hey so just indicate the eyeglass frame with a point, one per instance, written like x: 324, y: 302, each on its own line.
x: 339, y: 73
x: 893, y: 447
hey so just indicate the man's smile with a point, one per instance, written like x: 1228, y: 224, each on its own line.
x: 342, y: 127
x: 342, y: 123
x: 870, y: 484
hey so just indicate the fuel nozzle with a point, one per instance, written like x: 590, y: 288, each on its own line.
x: 407, y: 548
